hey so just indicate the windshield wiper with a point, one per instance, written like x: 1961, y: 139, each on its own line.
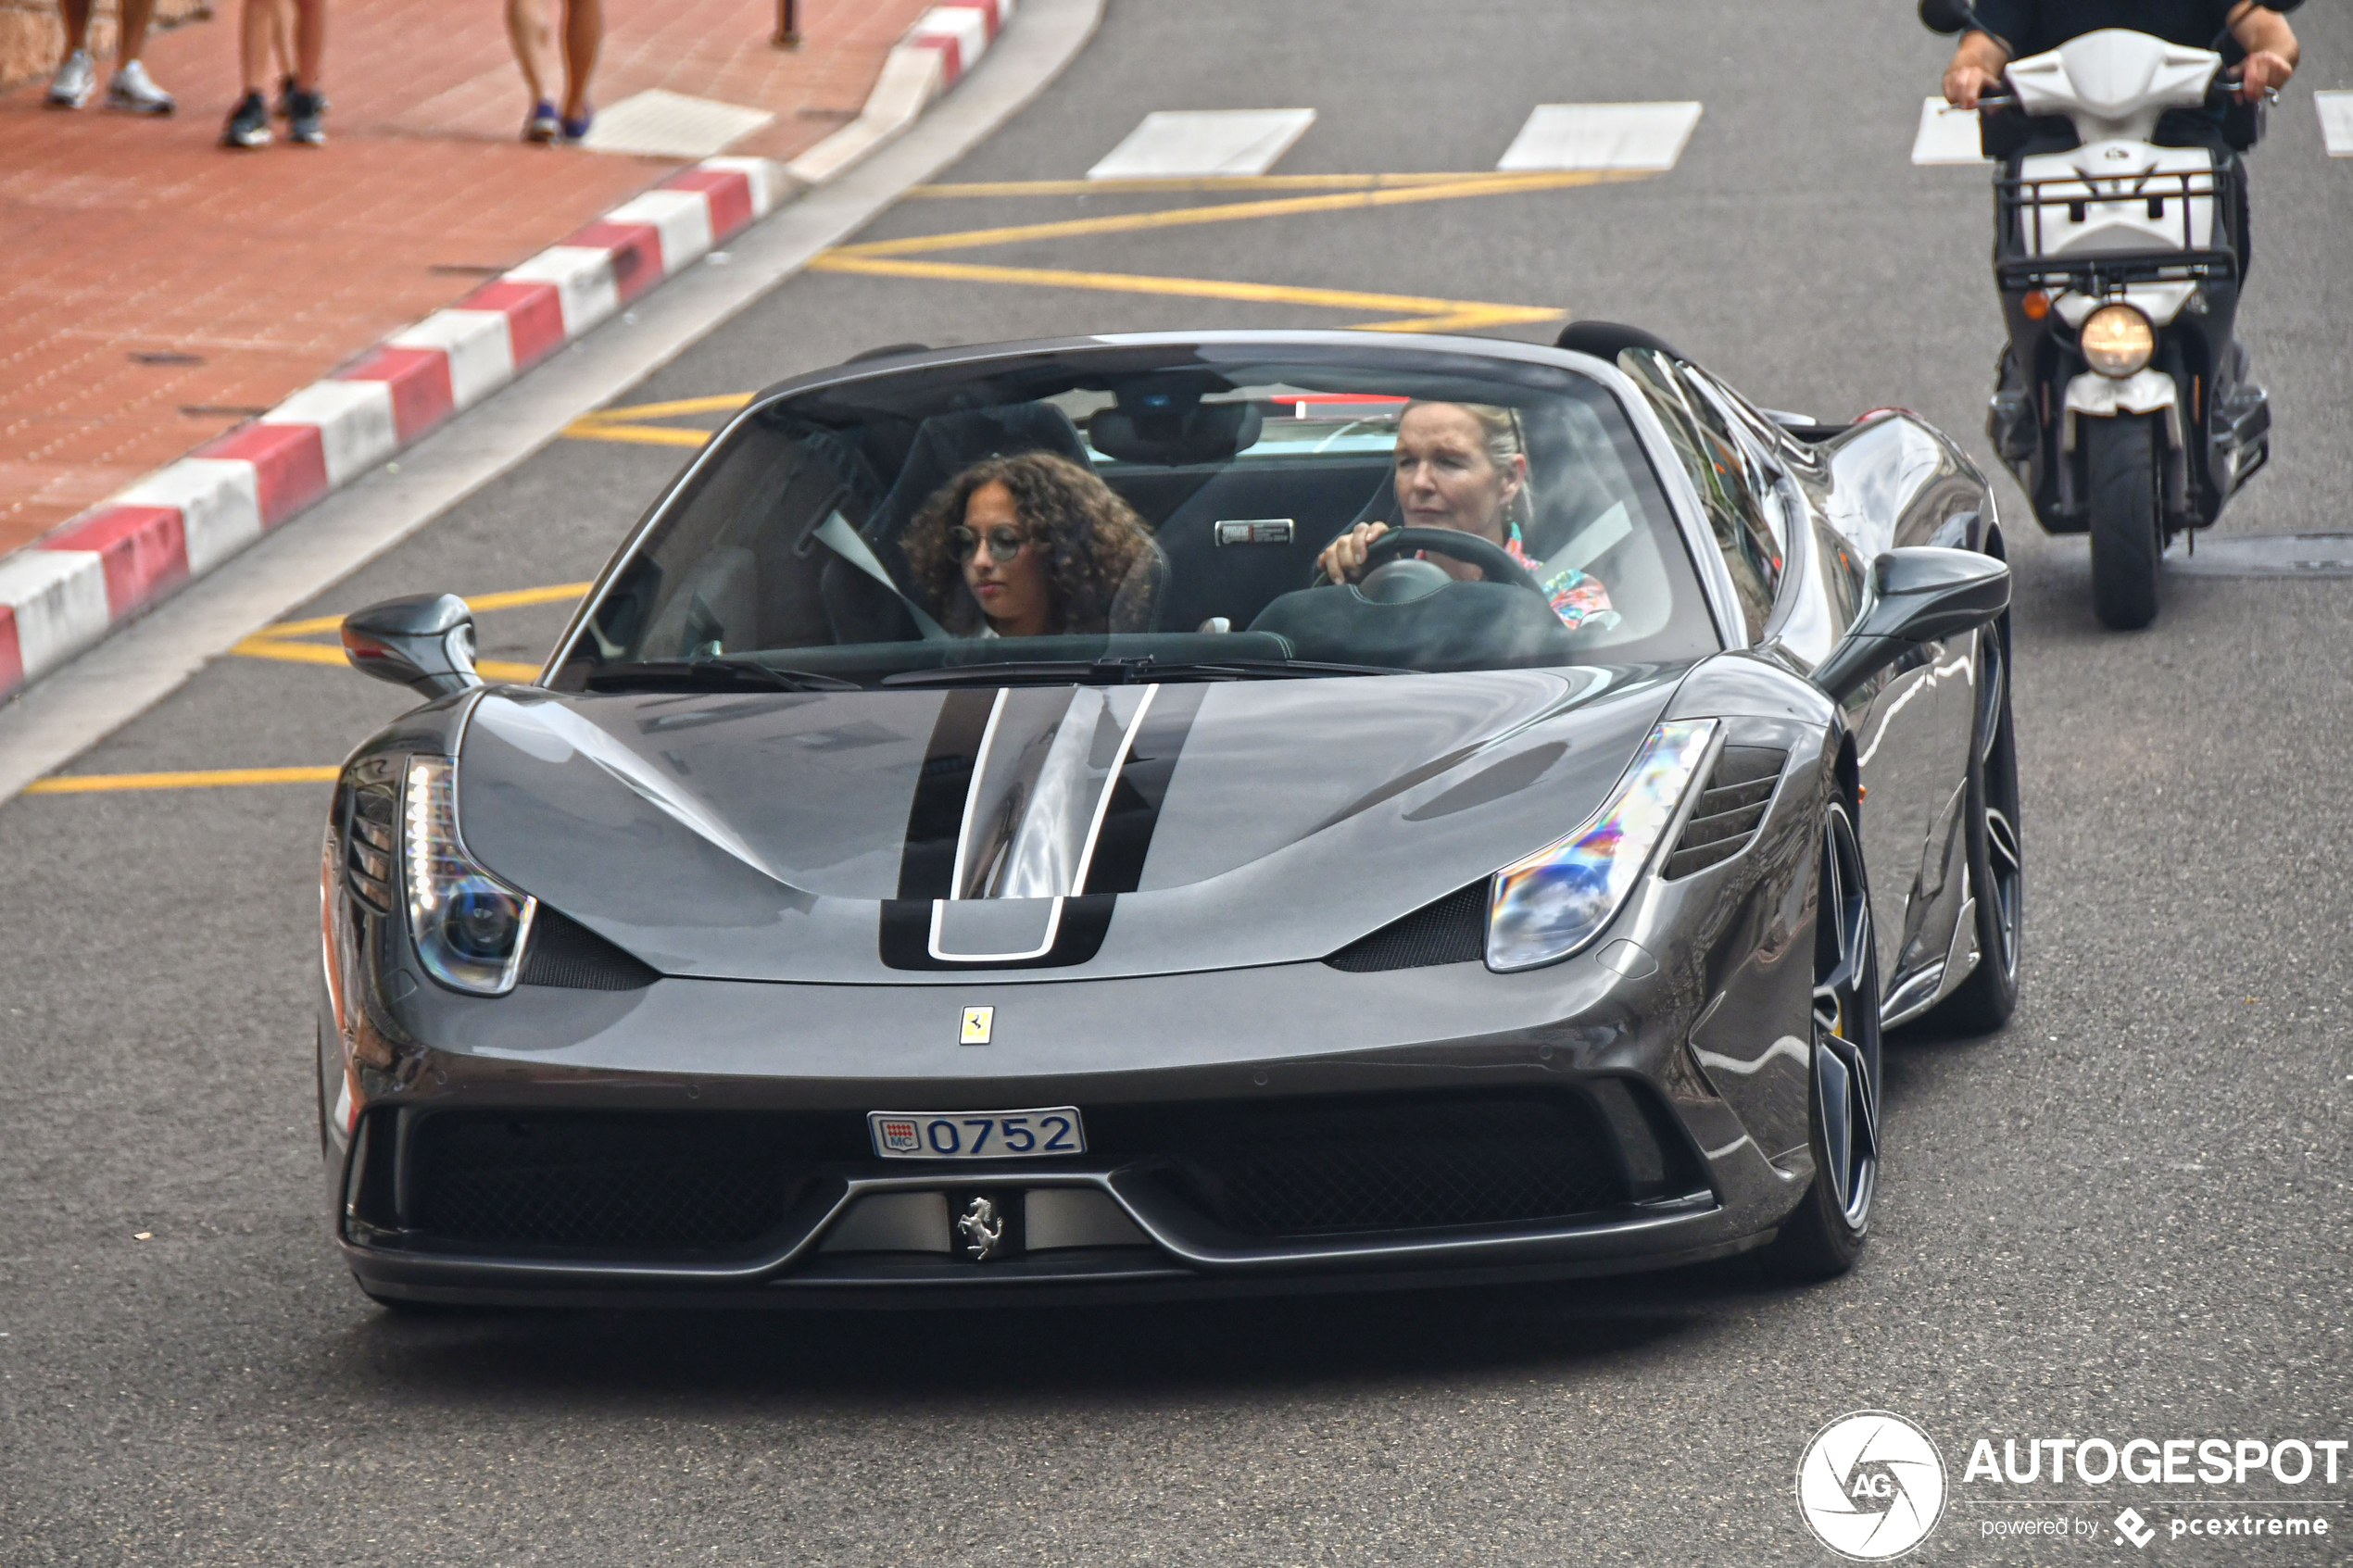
x: 712, y: 675
x: 1129, y: 672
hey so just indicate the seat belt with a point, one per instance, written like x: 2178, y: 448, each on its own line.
x: 836, y: 535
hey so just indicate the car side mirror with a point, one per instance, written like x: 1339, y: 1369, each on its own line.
x: 1922, y: 594
x: 425, y: 642
x: 1949, y: 16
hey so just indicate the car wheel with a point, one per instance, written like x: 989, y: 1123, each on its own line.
x: 1983, y: 1002
x: 2121, y: 458
x: 1824, y: 1234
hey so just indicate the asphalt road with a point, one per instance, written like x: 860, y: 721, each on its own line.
x: 2125, y: 1215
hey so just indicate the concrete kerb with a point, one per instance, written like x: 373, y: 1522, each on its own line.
x: 84, y: 579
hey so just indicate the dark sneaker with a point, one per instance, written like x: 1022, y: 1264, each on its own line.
x: 248, y: 124
x: 307, y: 118
x: 576, y: 128
x: 543, y: 124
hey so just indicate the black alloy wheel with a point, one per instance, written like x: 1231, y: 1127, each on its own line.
x: 1983, y: 1002
x: 1824, y: 1234
x: 2120, y: 460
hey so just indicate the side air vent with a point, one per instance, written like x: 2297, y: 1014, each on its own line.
x: 566, y: 953
x: 1452, y: 930
x: 372, y: 833
x: 1730, y: 809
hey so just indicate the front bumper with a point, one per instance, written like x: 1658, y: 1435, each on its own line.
x: 1606, y: 1053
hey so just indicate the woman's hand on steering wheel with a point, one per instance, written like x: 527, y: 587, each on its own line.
x: 1343, y: 559
x: 1369, y: 545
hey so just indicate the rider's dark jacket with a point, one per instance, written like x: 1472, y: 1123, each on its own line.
x: 2030, y: 27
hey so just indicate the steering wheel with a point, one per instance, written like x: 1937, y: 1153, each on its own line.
x: 1494, y: 562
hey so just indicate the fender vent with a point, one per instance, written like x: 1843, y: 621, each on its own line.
x: 566, y: 953
x: 1730, y: 809
x: 371, y: 837
x: 1452, y: 930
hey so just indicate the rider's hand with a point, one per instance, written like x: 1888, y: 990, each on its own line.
x: 1343, y: 559
x: 1964, y: 84
x: 2262, y: 69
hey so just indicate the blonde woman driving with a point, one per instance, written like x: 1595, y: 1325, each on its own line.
x: 1464, y: 466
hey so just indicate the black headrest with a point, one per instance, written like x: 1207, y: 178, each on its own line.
x: 946, y: 444
x: 1606, y: 340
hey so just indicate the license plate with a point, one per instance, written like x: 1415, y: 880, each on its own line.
x: 976, y: 1135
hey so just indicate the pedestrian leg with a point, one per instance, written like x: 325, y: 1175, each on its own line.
x: 534, y: 47
x: 583, y: 35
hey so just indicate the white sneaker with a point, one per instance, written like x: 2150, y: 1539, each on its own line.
x: 69, y: 89
x: 133, y: 91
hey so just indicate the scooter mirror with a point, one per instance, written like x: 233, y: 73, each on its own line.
x: 1947, y: 16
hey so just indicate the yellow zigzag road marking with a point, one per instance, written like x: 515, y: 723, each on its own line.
x: 275, y: 641
x: 1431, y: 314
x: 1180, y: 184
x: 93, y: 783
x: 1234, y: 212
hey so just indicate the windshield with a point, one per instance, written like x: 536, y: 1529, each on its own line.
x: 1120, y: 516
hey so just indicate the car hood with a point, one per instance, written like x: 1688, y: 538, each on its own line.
x: 766, y: 837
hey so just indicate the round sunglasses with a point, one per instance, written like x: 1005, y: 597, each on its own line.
x: 1004, y: 543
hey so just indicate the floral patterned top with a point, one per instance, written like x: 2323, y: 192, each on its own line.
x: 1577, y: 599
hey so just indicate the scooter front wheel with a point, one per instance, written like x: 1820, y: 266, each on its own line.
x: 2119, y: 455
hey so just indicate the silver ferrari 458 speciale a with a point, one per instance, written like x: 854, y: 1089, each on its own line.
x: 1169, y: 814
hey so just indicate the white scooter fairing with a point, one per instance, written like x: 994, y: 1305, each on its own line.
x: 2116, y: 192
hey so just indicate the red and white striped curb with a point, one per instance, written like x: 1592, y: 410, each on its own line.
x: 69, y: 588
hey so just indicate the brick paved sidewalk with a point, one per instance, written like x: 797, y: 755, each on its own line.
x: 155, y: 289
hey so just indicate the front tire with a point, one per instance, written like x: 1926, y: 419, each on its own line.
x: 2119, y: 458
x: 1983, y: 1002
x: 1824, y: 1234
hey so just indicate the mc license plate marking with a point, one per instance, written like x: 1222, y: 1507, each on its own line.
x: 976, y: 1135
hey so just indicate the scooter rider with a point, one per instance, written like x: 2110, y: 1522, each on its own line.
x: 2014, y: 29
x: 2030, y: 27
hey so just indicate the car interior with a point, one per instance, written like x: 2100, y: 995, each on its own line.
x: 793, y: 546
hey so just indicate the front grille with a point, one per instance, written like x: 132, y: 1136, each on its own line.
x: 1452, y: 930
x: 566, y: 953
x: 1308, y: 1169
x: 1730, y: 810
x: 633, y: 1184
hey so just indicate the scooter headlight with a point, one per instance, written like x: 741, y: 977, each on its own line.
x: 1561, y: 897
x: 470, y: 927
x: 2118, y: 340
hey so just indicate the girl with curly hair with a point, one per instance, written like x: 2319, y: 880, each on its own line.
x: 1031, y: 545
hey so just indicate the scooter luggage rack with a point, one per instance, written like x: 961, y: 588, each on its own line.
x: 2020, y: 203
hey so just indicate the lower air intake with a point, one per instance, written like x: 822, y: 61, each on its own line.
x: 641, y: 1185
x: 1306, y: 1170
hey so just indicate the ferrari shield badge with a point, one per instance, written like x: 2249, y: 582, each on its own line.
x: 976, y: 1026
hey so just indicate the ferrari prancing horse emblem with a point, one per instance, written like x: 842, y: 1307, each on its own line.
x: 976, y: 1024
x: 982, y: 1229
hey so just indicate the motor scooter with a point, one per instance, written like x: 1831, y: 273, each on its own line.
x: 2123, y: 405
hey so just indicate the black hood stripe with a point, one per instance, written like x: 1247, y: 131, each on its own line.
x: 927, y: 864
x: 1126, y: 833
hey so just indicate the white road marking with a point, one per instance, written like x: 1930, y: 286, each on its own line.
x: 659, y: 124
x: 1175, y: 144
x: 1947, y: 135
x: 2336, y: 121
x: 1602, y: 137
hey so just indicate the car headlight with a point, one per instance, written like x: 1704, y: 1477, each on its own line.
x: 469, y: 927
x: 1559, y: 899
x: 2118, y: 340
